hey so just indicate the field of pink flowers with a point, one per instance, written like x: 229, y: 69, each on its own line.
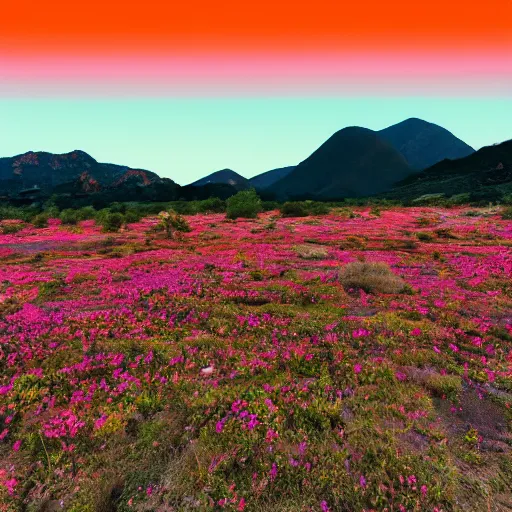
x: 229, y: 369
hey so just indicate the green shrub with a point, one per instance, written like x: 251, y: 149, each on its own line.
x: 294, y: 209
x: 318, y: 208
x: 11, y: 213
x: 69, y: 216
x: 40, y: 220
x: 304, y: 208
x: 245, y: 204
x: 111, y: 222
x: 444, y: 233
x: 212, y: 205
x: 132, y: 216
x: 424, y: 237
x: 117, y: 208
x: 51, y: 211
x: 11, y: 229
x: 184, y: 207
x: 171, y: 221
x: 86, y: 213
x: 506, y: 214
x: 459, y: 199
x: 269, y: 206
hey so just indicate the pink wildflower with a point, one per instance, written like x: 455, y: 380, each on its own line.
x: 273, y: 472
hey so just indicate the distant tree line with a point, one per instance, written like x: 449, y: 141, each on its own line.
x: 244, y: 204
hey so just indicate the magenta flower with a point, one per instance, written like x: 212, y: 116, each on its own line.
x: 100, y: 422
x: 273, y: 472
x: 324, y: 506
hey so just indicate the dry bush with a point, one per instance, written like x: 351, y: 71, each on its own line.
x: 372, y: 278
x: 311, y: 252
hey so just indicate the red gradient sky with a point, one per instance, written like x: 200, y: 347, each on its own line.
x: 227, y: 47
x: 154, y: 27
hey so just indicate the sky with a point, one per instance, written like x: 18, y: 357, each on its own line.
x: 187, y: 88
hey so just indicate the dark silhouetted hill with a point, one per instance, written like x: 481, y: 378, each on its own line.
x: 354, y: 162
x: 424, y: 144
x: 225, y: 176
x: 266, y: 179
x: 487, y: 168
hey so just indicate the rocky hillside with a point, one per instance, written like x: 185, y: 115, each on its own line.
x: 75, y: 171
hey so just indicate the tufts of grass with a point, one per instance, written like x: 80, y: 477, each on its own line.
x: 372, y: 278
x: 310, y: 252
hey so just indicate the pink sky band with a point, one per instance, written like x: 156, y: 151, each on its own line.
x: 383, y: 74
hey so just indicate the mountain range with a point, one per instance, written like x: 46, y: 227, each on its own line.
x: 487, y: 172
x: 405, y: 160
x: 356, y: 162
x: 75, y: 170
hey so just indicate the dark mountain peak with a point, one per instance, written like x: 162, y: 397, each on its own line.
x: 355, y: 143
x: 225, y: 176
x: 353, y: 131
x: 353, y: 162
x: 423, y: 143
x: 413, y: 121
x: 229, y: 173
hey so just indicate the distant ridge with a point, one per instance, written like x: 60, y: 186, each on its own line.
x: 354, y: 162
x: 76, y: 170
x: 266, y: 179
x: 224, y: 176
x: 423, y: 144
x: 488, y: 168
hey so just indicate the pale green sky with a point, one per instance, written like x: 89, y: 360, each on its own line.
x: 187, y: 138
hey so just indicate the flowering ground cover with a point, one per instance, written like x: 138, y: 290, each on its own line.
x: 230, y: 369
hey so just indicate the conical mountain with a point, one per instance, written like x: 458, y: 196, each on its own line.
x: 354, y: 162
x: 423, y: 144
x: 224, y: 176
